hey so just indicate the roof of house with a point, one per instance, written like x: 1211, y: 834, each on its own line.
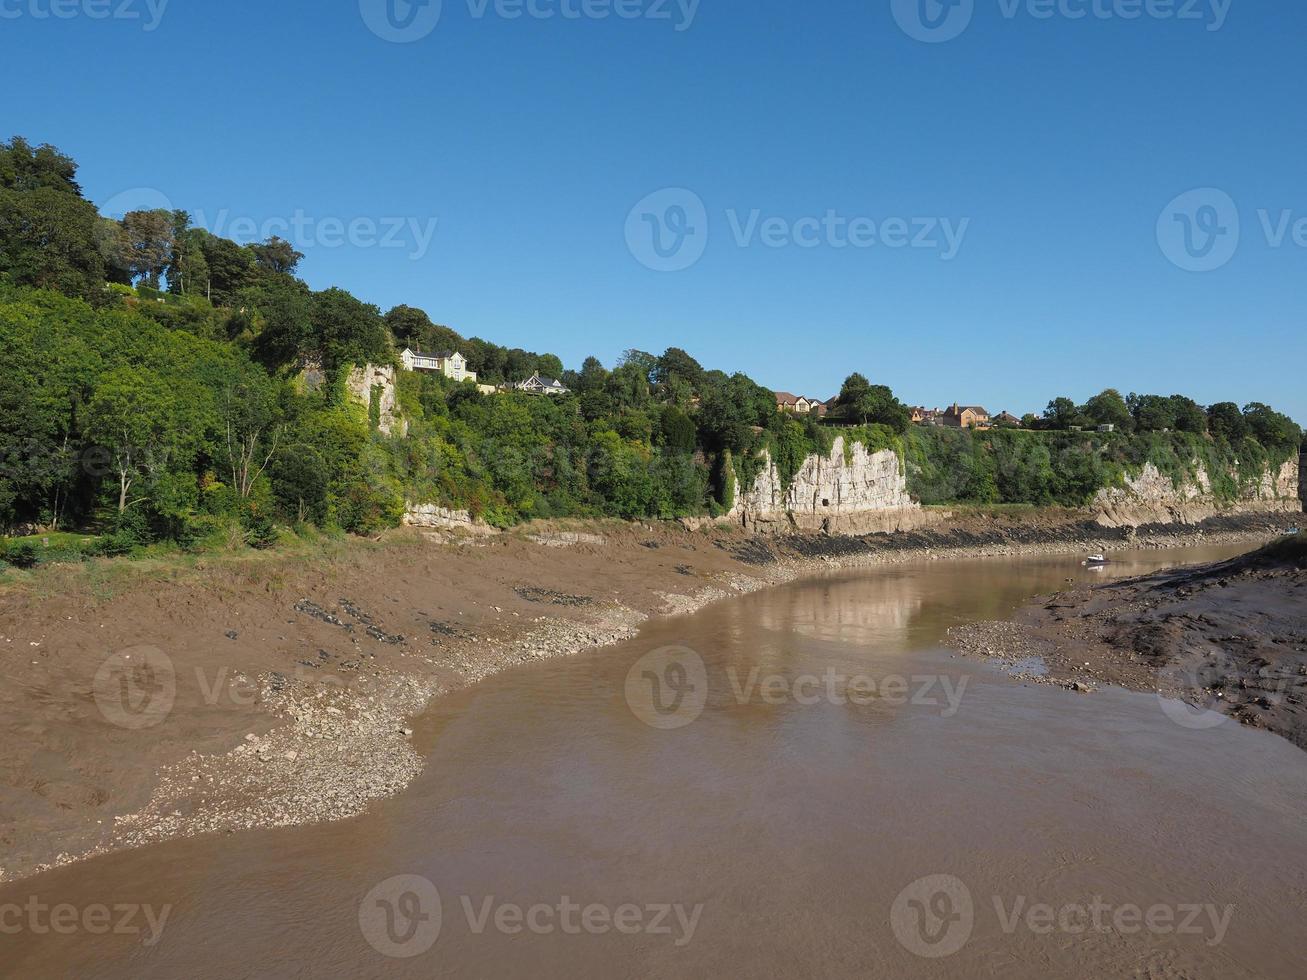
x: 785, y: 397
x: 546, y: 382
x: 959, y: 409
x: 439, y: 356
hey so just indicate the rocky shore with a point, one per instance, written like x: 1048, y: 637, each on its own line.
x: 1226, y: 640
x: 280, y: 692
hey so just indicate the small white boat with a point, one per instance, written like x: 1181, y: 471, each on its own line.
x: 1097, y: 560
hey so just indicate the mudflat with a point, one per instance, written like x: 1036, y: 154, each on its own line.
x: 839, y: 773
x: 1223, y: 639
x: 143, y: 702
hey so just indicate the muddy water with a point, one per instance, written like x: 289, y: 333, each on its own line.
x: 834, y: 796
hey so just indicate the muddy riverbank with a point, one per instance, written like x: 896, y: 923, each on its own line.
x: 1226, y: 639
x: 233, y: 695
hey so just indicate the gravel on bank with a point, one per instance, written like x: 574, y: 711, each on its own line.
x: 294, y: 685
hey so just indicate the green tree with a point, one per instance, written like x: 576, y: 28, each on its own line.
x: 252, y: 429
x: 146, y: 245
x: 48, y: 231
x: 230, y: 267
x: 1226, y: 421
x: 1152, y: 413
x: 1189, y: 415
x: 862, y: 402
x: 277, y: 256
x: 1274, y: 430
x: 134, y: 419
x: 1109, y: 408
x: 279, y: 312
x: 346, y: 330
x: 1062, y: 414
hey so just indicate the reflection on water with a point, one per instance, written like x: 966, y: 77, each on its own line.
x: 773, y: 835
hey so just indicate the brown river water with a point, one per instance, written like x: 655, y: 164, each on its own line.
x: 796, y: 783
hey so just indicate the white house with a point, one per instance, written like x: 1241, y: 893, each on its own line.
x: 450, y: 363
x: 539, y: 385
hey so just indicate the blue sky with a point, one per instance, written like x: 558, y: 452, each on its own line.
x: 1052, y: 146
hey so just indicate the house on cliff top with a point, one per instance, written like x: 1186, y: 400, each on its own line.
x: 538, y: 384
x: 965, y: 417
x: 450, y: 363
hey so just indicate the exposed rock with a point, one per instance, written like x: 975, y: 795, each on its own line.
x: 1151, y: 497
x: 362, y: 381
x: 566, y: 539
x: 863, y: 493
x: 433, y: 515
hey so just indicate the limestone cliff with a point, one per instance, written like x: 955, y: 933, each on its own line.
x: 362, y: 381
x: 1152, y: 497
x: 865, y: 492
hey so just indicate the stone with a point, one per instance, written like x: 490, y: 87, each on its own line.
x: 862, y: 493
x: 360, y: 384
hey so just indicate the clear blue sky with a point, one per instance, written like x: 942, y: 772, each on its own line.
x: 1061, y: 141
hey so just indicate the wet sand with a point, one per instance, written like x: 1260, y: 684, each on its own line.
x: 808, y: 831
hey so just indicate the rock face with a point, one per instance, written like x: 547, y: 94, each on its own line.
x: 865, y: 493
x: 361, y: 382
x: 435, y: 516
x: 1153, y: 498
